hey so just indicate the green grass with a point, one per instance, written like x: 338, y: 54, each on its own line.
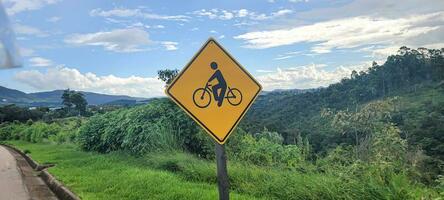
x: 116, y: 176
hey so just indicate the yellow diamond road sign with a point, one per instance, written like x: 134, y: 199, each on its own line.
x: 215, y: 90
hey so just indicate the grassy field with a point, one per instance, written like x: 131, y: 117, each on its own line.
x: 183, y: 176
x: 116, y: 176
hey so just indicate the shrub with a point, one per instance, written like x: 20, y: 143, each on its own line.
x: 264, y: 152
x: 157, y: 126
x: 11, y: 131
x: 59, y: 131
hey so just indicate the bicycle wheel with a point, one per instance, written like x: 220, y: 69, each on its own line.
x: 201, y: 98
x: 234, y: 97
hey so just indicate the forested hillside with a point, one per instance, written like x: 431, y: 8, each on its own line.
x: 414, y: 77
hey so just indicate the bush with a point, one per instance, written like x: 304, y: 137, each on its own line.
x: 157, y: 126
x: 11, y: 131
x: 40, y: 131
x: 268, y: 151
x: 60, y: 131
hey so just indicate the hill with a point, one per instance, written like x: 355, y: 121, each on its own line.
x: 52, y: 98
x: 414, y: 77
x: 287, y: 91
x: 401, y: 73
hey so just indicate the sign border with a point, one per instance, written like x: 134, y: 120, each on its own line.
x: 167, y: 91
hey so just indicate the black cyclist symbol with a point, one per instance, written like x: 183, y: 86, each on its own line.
x: 220, y: 91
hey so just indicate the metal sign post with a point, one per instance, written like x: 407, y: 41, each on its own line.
x: 222, y: 173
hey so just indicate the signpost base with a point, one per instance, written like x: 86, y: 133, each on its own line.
x: 222, y: 173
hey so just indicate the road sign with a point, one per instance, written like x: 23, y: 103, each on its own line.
x: 215, y: 90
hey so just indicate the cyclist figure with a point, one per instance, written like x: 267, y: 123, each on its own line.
x: 221, y: 84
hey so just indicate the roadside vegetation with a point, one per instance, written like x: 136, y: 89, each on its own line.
x: 366, y: 137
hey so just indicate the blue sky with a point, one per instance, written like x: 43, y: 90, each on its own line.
x: 116, y: 47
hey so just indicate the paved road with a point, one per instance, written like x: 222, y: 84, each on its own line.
x: 12, y: 186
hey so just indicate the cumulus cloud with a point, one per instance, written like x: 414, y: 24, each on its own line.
x: 40, y: 62
x: 304, y: 77
x: 64, y: 77
x: 16, y: 6
x: 170, y: 46
x: 239, y: 14
x: 118, y: 40
x: 123, y: 12
x: 350, y: 33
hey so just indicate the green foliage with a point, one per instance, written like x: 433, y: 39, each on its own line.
x: 293, y: 114
x: 60, y: 131
x: 12, y: 131
x: 10, y: 113
x: 72, y: 98
x: 39, y: 131
x: 267, y: 150
x: 167, y: 75
x: 157, y: 126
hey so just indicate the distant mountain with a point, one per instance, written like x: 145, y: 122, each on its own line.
x: 11, y: 95
x: 288, y: 91
x: 52, y: 98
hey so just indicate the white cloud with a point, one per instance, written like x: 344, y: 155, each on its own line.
x: 170, y: 46
x: 64, y: 77
x: 383, y: 9
x: 239, y: 14
x: 40, y: 62
x: 282, y: 12
x: 53, y: 19
x: 303, y: 77
x: 226, y: 15
x: 221, y: 37
x: 21, y: 29
x: 264, y: 71
x: 16, y: 6
x: 123, y: 12
x: 349, y: 32
x: 118, y: 40
x: 287, y: 55
x: 282, y: 57
x: 242, y: 13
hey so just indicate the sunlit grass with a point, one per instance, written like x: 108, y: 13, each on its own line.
x: 116, y: 176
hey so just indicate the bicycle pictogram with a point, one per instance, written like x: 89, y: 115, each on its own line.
x: 202, y: 97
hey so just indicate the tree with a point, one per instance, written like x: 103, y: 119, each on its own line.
x: 80, y: 102
x: 72, y: 98
x: 66, y: 98
x: 167, y: 75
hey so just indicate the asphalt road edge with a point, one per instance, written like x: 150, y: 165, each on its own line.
x: 56, y: 187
